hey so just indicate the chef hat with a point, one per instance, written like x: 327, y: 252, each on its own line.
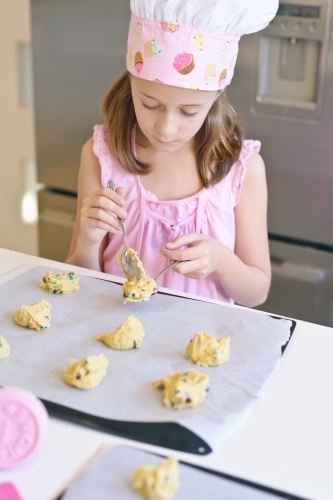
x: 192, y: 43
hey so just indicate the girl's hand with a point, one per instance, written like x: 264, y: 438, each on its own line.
x: 96, y: 214
x: 99, y: 214
x: 202, y: 253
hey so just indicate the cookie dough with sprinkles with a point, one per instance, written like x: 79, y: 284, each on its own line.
x: 35, y: 316
x: 157, y: 482
x: 137, y: 290
x: 86, y: 373
x: 4, y: 348
x: 206, y: 350
x: 60, y: 283
x: 128, y: 335
x: 183, y: 389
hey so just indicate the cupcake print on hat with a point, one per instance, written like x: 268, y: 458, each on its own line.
x: 225, y: 47
x: 179, y: 55
x: 169, y: 27
x: 153, y: 48
x: 184, y: 63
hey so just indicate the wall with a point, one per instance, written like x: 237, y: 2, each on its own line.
x: 17, y: 141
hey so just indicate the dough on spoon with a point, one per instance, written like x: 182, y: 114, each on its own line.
x: 183, y: 389
x: 35, y: 316
x: 137, y: 290
x: 4, y: 348
x: 206, y: 350
x: 87, y: 373
x: 60, y: 283
x: 129, y: 335
x: 157, y: 482
x: 133, y: 258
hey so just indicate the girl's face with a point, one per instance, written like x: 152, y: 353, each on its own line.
x: 169, y: 117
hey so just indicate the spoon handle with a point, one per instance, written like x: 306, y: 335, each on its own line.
x: 121, y: 222
x: 172, y: 264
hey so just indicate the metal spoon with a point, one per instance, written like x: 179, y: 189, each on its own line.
x: 129, y: 263
x: 172, y: 264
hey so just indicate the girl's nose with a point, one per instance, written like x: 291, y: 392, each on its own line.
x: 166, y: 125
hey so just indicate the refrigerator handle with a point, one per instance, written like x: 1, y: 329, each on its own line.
x: 59, y: 217
x: 297, y: 271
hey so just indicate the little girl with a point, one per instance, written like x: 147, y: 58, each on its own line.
x: 188, y: 187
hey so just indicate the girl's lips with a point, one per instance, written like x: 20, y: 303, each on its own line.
x: 165, y: 142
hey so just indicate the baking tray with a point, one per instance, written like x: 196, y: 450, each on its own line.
x: 111, y: 473
x: 37, y: 360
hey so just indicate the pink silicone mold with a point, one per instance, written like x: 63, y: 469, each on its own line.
x: 9, y: 492
x: 23, y: 426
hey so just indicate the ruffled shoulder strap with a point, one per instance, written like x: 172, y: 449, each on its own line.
x: 249, y: 148
x: 102, y: 150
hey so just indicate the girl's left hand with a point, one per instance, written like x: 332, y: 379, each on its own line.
x: 203, y: 254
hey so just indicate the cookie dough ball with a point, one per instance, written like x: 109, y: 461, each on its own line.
x: 35, y: 316
x: 206, y: 350
x: 60, y: 283
x: 183, y: 389
x: 4, y: 348
x: 87, y: 373
x: 158, y: 482
x: 127, y: 336
x: 136, y: 290
x: 139, y: 290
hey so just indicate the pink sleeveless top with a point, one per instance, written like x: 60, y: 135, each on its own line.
x: 152, y: 223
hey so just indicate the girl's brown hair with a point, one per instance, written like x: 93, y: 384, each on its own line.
x: 218, y: 142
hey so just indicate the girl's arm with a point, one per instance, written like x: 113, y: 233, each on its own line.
x: 95, y: 216
x: 249, y: 276
x: 245, y: 274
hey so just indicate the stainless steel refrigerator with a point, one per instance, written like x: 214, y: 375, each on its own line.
x: 283, y: 88
x: 79, y: 49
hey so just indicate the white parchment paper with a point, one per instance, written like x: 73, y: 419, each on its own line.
x: 38, y: 358
x: 110, y: 477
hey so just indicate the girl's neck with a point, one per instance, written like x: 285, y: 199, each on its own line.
x: 174, y: 176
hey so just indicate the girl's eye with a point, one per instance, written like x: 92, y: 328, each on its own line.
x: 151, y: 108
x: 190, y: 115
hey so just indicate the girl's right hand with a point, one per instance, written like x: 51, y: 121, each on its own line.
x: 99, y: 214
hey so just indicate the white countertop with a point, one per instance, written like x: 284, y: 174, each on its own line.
x: 286, y: 443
